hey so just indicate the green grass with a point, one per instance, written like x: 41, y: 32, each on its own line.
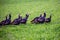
x: 46, y: 31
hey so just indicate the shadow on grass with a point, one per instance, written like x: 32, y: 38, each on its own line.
x: 28, y: 24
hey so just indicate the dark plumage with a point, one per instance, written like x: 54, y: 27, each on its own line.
x: 24, y: 20
x: 7, y: 21
x: 0, y: 24
x: 35, y: 20
x: 47, y: 20
x: 42, y: 18
x: 44, y: 14
x: 17, y: 21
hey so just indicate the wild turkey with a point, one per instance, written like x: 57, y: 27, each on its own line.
x: 17, y: 21
x: 24, y: 20
x: 35, y: 20
x: 47, y: 20
x: 7, y: 21
x: 42, y: 18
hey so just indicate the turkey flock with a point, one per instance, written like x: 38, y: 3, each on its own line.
x: 37, y: 20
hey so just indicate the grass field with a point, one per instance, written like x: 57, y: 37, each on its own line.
x: 46, y: 31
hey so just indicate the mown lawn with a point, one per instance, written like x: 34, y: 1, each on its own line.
x: 46, y: 31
